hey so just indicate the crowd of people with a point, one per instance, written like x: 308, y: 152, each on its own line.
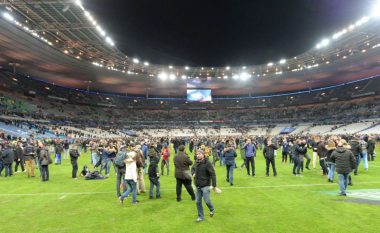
x: 132, y: 159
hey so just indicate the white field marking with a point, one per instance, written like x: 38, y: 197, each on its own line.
x: 62, y: 197
x: 235, y: 187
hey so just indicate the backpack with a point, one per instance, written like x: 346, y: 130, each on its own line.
x: 120, y: 157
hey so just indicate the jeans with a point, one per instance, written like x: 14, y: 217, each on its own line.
x: 120, y: 173
x: 205, y: 193
x: 8, y: 169
x: 250, y: 160
x: 343, y: 181
x: 221, y: 158
x: 94, y: 158
x: 295, y: 165
x: 189, y: 188
x: 58, y: 158
x: 331, y: 168
x: 44, y: 172
x: 131, y: 189
x: 365, y: 160
x: 154, y: 181
x: 299, y: 164
x: 230, y: 173
x: 268, y: 162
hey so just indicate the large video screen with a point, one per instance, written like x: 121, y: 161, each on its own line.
x: 199, y: 95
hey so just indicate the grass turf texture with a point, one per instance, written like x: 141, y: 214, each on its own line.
x: 254, y: 204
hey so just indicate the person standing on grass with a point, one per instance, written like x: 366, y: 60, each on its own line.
x: 250, y: 154
x: 204, y: 175
x: 130, y: 177
x: 285, y: 150
x: 44, y: 161
x: 154, y: 174
x: 140, y: 163
x: 371, y: 149
x: 58, y: 153
x: 74, y: 155
x: 8, y: 157
x: 230, y: 155
x: 165, y: 159
x: 269, y: 156
x: 19, y: 157
x: 345, y: 163
x: 300, y: 151
x: 182, y: 173
x: 30, y: 164
x: 330, y: 147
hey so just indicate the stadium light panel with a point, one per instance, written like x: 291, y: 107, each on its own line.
x: 235, y: 77
x: 79, y: 3
x: 172, y: 77
x: 282, y: 61
x: 136, y: 61
x: 325, y: 42
x: 186, y: 68
x: 163, y: 76
x: 376, y: 10
x: 110, y: 41
x: 8, y: 16
x: 183, y: 77
x: 146, y: 63
x: 228, y: 68
x: 270, y: 64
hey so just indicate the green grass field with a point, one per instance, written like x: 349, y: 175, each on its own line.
x: 254, y: 204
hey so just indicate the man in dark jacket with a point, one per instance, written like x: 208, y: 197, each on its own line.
x: 8, y: 157
x: 356, y: 151
x: 19, y: 157
x: 74, y: 154
x: 250, y: 154
x: 269, y: 156
x: 300, y: 151
x: 30, y: 164
x: 44, y: 161
x: 153, y: 173
x: 345, y: 163
x: 322, y: 154
x: 204, y: 175
x: 182, y: 173
x: 229, y: 156
x: 371, y: 149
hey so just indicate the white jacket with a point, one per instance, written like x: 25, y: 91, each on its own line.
x: 130, y: 170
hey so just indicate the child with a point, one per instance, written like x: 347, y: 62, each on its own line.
x: 154, y: 176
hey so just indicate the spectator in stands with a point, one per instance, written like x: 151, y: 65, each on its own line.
x: 165, y: 159
x: 345, y: 163
x: 182, y: 173
x: 204, y: 175
x: 269, y: 156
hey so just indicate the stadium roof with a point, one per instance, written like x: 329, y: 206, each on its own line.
x: 74, y: 34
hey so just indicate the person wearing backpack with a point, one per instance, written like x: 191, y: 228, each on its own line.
x: 120, y: 170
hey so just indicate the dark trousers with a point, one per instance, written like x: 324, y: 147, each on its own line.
x: 8, y: 169
x: 189, y: 188
x: 284, y: 157
x: 21, y: 163
x: 120, y: 173
x: 268, y: 162
x: 250, y: 162
x: 295, y: 165
x: 371, y: 157
x: 323, y: 166
x: 75, y: 170
x: 45, y: 172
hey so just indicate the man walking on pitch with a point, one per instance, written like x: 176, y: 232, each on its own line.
x: 182, y: 173
x: 204, y: 174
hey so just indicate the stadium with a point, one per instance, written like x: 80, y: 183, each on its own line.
x: 289, y: 143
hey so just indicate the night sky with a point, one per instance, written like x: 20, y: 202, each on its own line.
x: 222, y: 32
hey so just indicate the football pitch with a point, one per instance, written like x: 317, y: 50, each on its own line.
x: 285, y: 203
